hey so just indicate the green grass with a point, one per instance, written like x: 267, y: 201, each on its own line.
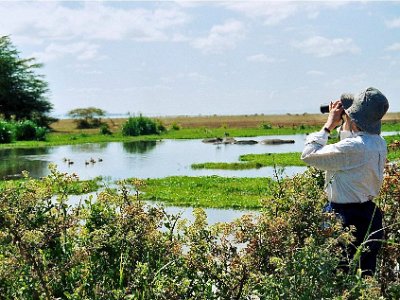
x: 272, y: 159
x: 57, y: 139
x: 391, y: 126
x: 250, y: 161
x: 208, y: 191
x: 192, y: 133
x: 227, y: 166
x: 198, y: 133
x: 394, y: 155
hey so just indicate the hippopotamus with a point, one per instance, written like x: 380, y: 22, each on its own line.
x: 212, y: 140
x: 246, y: 142
x: 229, y: 141
x: 276, y: 142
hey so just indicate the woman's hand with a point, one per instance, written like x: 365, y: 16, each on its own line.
x: 335, y: 115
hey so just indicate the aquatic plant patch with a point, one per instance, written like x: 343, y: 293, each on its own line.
x: 209, y: 191
x: 250, y: 161
x: 227, y: 166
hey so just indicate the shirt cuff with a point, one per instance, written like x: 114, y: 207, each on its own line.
x: 320, y: 137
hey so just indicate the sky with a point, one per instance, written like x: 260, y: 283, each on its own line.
x: 162, y: 58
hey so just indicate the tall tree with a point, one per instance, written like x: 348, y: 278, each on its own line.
x: 88, y: 117
x: 23, y: 92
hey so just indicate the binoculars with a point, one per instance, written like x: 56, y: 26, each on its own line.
x: 324, y: 108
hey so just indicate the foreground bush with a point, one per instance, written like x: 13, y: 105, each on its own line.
x: 28, y: 131
x: 6, y: 132
x: 141, y: 125
x: 21, y: 131
x: 117, y: 247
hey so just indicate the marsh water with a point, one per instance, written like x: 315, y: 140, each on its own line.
x: 150, y: 159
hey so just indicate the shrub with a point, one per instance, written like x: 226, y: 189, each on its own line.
x: 266, y: 126
x: 105, y: 129
x: 41, y: 133
x: 140, y: 125
x: 175, y: 126
x: 160, y: 126
x: 28, y: 131
x: 82, y: 124
x: 119, y: 247
x: 25, y: 131
x: 6, y: 132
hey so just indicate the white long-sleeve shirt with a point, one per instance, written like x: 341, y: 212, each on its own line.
x: 354, y: 166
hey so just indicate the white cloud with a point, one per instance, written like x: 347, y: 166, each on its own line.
x: 394, y: 47
x: 335, y: 4
x: 272, y: 12
x: 189, y: 4
x: 196, y: 77
x: 82, y: 51
x: 324, y: 47
x: 86, y: 90
x: 179, y: 38
x: 313, y: 14
x: 221, y: 37
x: 394, y: 23
x: 83, y: 67
x: 199, y: 78
x: 315, y: 73
x: 59, y: 29
x: 390, y: 60
x: 90, y: 20
x: 143, y: 88
x: 352, y: 82
x: 26, y: 40
x: 261, y: 58
x: 91, y: 72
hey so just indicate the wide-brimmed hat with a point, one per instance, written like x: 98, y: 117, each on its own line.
x: 366, y: 109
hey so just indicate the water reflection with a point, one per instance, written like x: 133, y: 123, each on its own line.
x: 88, y: 148
x: 12, y: 164
x: 16, y: 152
x: 139, y: 147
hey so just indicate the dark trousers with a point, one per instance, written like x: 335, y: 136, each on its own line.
x: 367, y: 219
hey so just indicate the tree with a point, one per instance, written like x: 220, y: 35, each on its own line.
x: 23, y: 92
x: 88, y: 117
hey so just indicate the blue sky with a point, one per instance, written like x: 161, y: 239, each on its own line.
x: 208, y: 57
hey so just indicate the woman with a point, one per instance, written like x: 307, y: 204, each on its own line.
x: 354, y: 168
